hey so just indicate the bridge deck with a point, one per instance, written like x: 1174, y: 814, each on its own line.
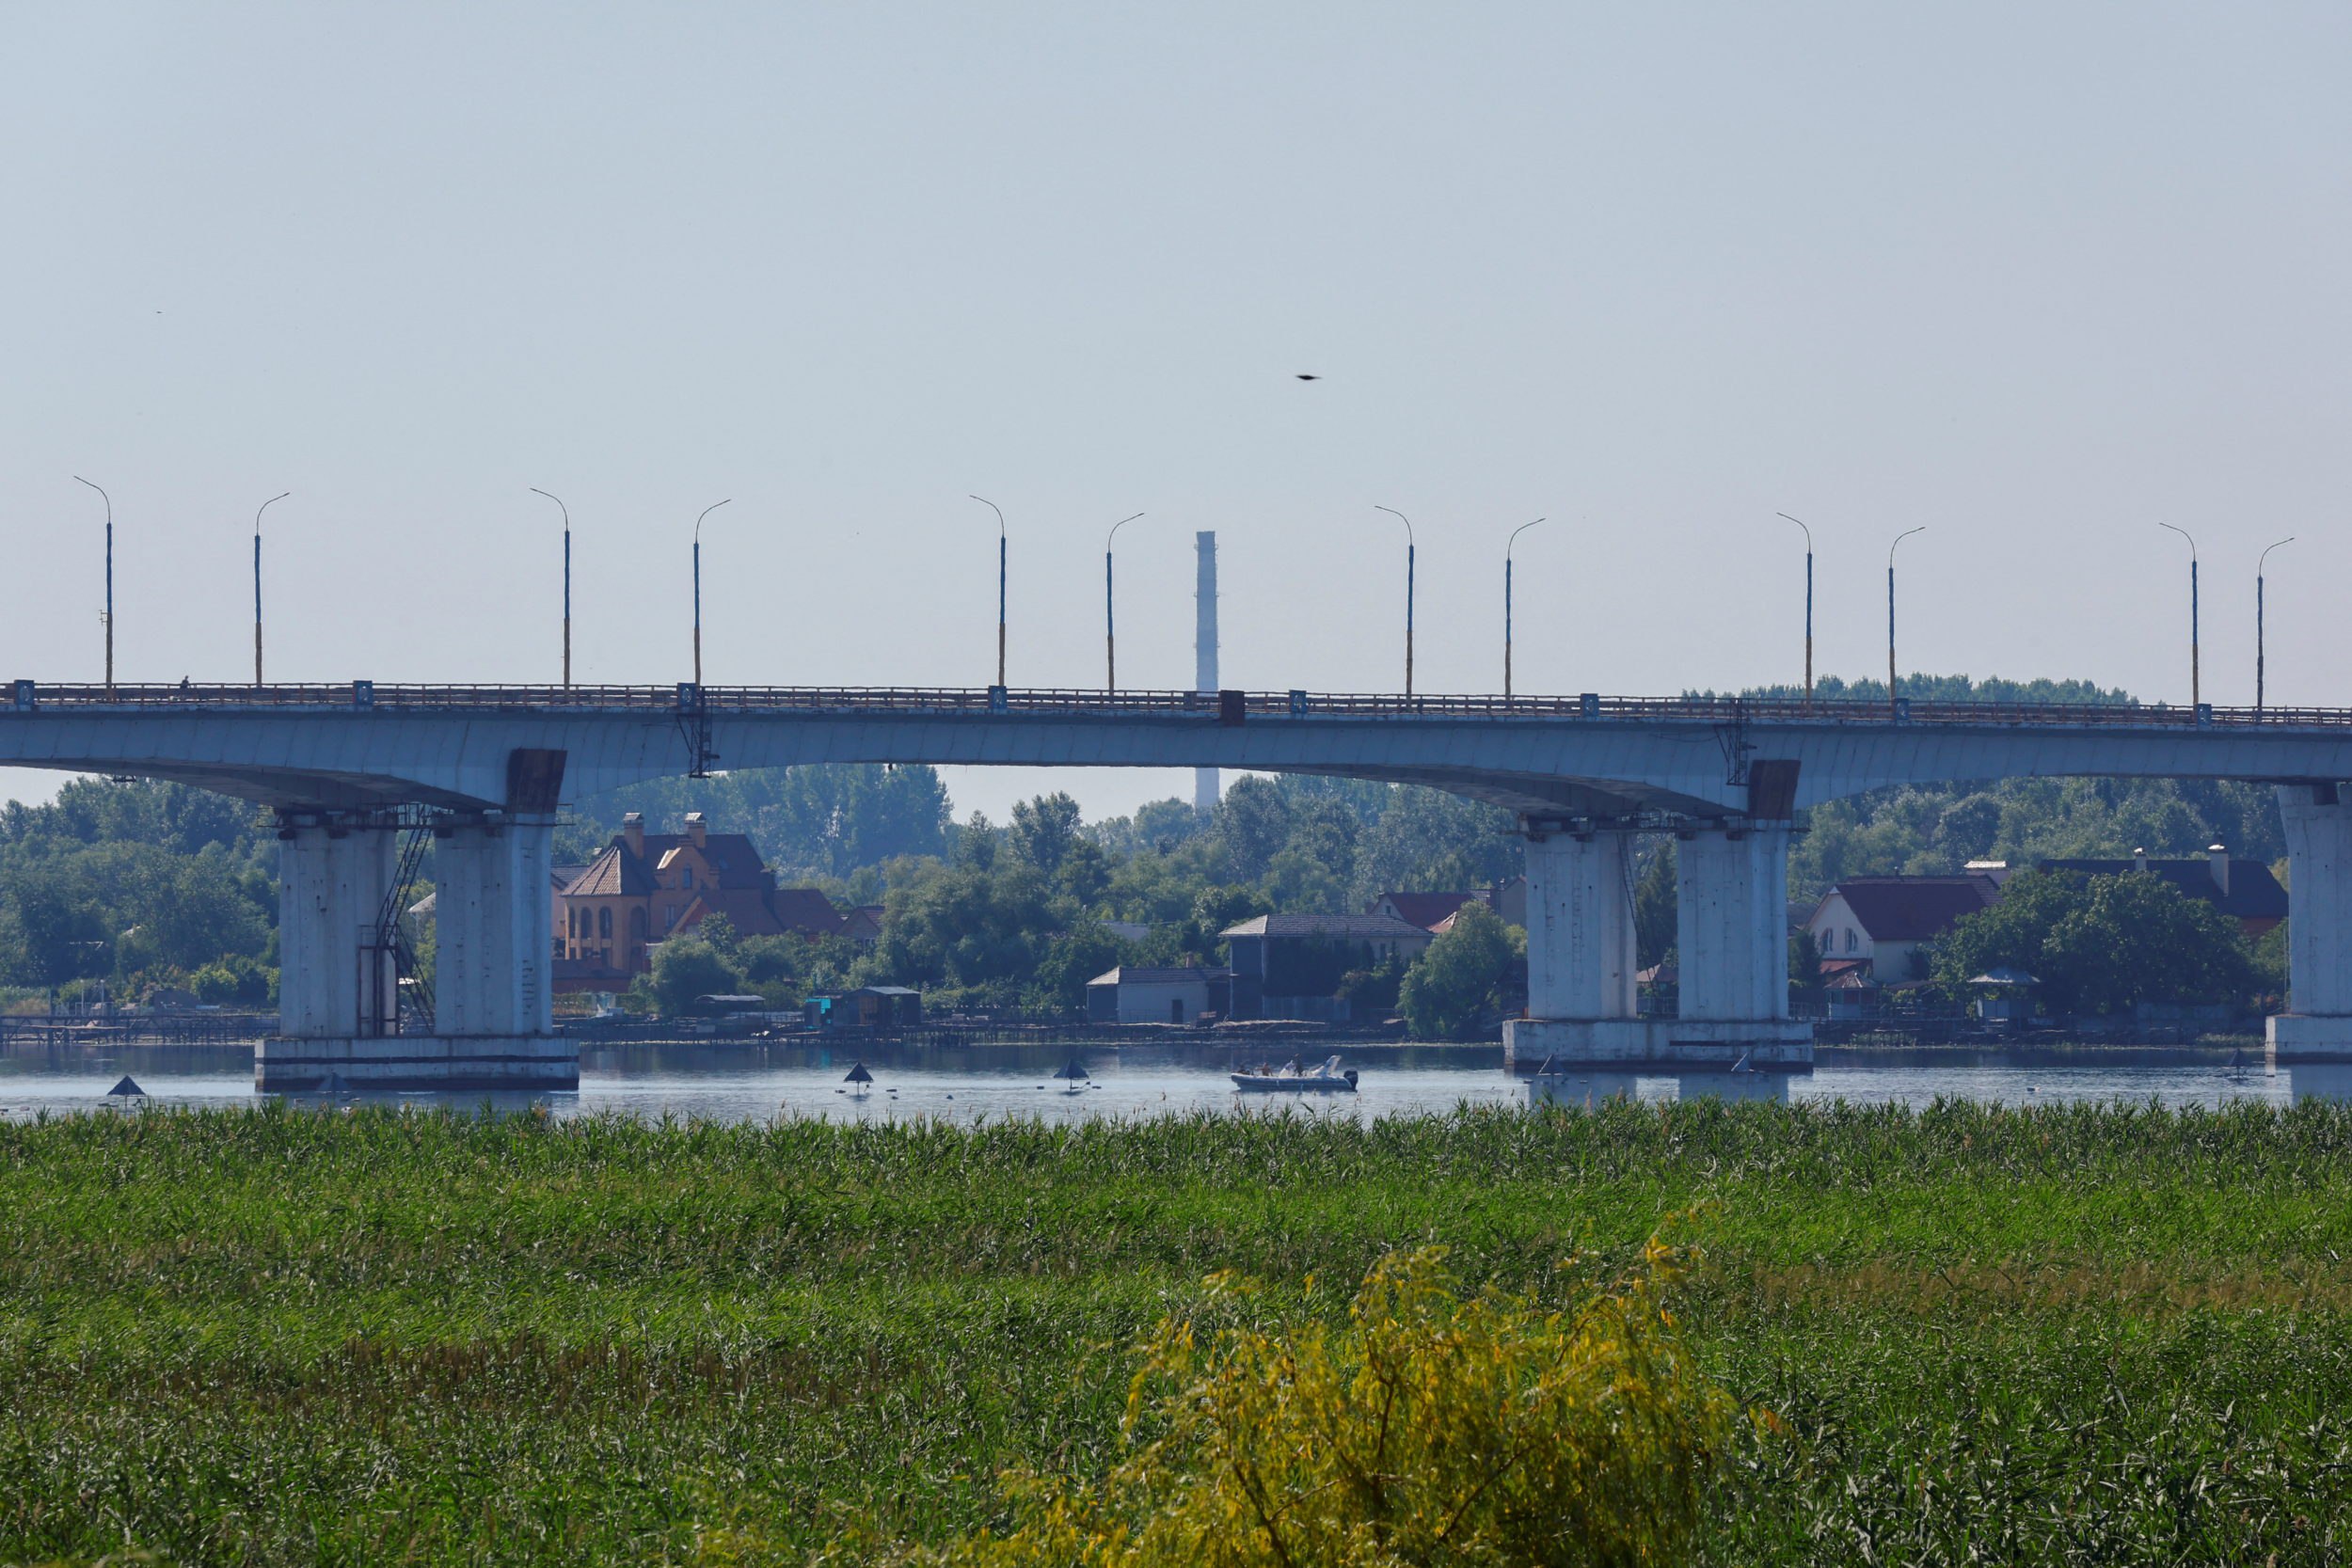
x: 879, y: 701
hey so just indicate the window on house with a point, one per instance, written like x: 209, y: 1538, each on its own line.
x: 604, y: 922
x: 688, y: 873
x: 1853, y: 941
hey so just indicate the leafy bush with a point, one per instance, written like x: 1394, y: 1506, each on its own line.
x: 2102, y: 943
x: 1459, y: 982
x: 1434, y: 1428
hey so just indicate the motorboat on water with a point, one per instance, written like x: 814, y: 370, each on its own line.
x: 1328, y: 1077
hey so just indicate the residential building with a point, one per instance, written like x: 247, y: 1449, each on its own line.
x: 1434, y: 911
x: 645, y: 887
x: 2242, y: 889
x: 866, y: 1007
x: 1291, y: 965
x: 1885, y: 921
x: 1130, y: 994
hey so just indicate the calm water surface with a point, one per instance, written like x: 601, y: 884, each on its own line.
x: 754, y: 1082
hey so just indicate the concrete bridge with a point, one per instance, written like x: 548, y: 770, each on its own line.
x: 485, y: 770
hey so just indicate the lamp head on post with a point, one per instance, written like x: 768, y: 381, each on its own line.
x: 1409, y: 590
x: 2196, y: 696
x: 107, y: 619
x: 698, y: 589
x: 567, y: 581
x: 1893, y: 703
x: 2260, y: 562
x: 1000, y: 584
x: 1808, y: 603
x: 1508, y: 546
x: 257, y: 580
x: 1110, y: 629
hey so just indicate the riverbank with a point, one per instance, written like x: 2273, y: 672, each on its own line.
x: 286, y: 1337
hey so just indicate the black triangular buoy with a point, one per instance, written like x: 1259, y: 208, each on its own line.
x: 1075, y: 1072
x: 1741, y: 1065
x: 859, y: 1075
x: 336, y: 1083
x: 127, y: 1087
x: 1549, y: 1069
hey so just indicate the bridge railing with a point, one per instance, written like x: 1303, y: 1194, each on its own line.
x: 873, y: 700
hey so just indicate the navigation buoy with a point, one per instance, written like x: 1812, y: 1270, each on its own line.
x: 128, y: 1087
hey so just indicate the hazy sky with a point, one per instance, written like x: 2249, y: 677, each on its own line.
x: 2039, y: 276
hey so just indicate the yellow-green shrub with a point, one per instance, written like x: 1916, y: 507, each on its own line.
x: 1432, y: 1429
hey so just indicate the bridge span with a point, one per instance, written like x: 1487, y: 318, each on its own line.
x: 485, y: 769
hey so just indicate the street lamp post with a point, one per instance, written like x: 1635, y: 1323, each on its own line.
x: 108, y: 621
x: 1110, y: 631
x: 1891, y: 708
x: 1408, y: 591
x: 1000, y: 584
x: 567, y: 583
x: 2258, y: 618
x: 698, y: 593
x: 1808, y: 606
x: 257, y: 581
x: 2194, y: 699
x: 1506, y: 605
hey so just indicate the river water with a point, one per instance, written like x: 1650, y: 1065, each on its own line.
x: 757, y: 1082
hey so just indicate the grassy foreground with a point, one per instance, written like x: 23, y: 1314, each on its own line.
x: 280, y: 1337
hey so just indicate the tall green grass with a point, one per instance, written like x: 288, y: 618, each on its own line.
x: 2056, y: 1335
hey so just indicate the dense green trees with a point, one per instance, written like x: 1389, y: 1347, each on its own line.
x: 1460, y: 985
x: 138, y: 884
x: 2100, y: 945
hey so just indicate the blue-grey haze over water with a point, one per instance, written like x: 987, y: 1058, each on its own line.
x: 758, y: 1082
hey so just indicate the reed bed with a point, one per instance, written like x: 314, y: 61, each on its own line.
x: 2052, y: 1334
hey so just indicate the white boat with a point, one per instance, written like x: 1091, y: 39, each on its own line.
x: 1326, y: 1078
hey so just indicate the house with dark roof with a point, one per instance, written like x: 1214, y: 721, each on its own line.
x: 2242, y: 889
x: 1133, y: 994
x: 1885, y: 921
x: 645, y: 887
x: 1434, y: 911
x: 1291, y: 965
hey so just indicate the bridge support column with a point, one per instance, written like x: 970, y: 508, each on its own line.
x: 1581, y: 994
x: 1732, y: 946
x: 2317, y: 1026
x: 492, y: 1025
x: 1732, y: 950
x: 334, y: 875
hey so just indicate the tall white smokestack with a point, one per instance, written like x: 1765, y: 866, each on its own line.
x: 1205, y: 786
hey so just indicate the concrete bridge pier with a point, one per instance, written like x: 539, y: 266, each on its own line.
x: 339, y: 1011
x: 1732, y: 949
x: 2317, y: 1026
x: 1581, y: 1002
x: 335, y: 873
x: 1732, y: 946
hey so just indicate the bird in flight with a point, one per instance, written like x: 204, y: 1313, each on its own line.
x: 1303, y: 376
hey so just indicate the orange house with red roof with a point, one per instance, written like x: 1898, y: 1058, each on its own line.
x: 646, y: 887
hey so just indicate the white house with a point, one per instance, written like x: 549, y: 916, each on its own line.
x: 1131, y: 995
x: 1883, y: 921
